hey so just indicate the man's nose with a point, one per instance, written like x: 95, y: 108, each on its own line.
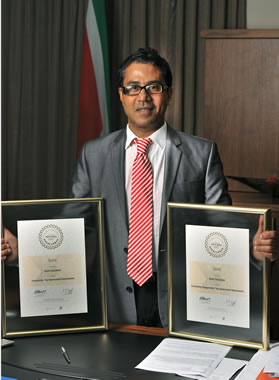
x: 143, y: 95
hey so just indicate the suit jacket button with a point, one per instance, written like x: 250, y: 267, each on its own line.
x: 129, y: 289
x: 126, y: 250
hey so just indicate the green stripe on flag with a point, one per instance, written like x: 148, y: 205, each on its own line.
x: 100, y: 13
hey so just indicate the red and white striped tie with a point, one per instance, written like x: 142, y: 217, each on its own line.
x: 139, y: 266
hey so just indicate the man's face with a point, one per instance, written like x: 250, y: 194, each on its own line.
x: 145, y: 111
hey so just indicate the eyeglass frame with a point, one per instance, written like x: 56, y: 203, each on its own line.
x: 164, y: 88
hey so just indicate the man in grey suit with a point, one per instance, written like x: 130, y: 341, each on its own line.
x: 185, y: 169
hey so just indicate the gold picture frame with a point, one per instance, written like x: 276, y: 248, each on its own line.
x: 181, y: 218
x: 91, y: 210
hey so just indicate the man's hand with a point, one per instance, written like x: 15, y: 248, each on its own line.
x: 9, y: 251
x: 265, y: 243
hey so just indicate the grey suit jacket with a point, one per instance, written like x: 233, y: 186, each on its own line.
x: 193, y: 174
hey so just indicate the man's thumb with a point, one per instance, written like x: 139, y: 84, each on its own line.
x: 261, y: 224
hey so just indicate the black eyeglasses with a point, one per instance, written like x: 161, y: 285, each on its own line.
x: 135, y: 89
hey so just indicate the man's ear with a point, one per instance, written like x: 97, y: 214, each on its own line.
x: 170, y: 91
x: 120, y: 92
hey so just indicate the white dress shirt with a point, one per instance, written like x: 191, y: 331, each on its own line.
x: 156, y: 155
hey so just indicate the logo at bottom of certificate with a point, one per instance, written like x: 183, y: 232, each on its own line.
x: 216, y: 244
x: 51, y: 236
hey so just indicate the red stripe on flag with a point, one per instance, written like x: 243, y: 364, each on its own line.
x: 90, y: 120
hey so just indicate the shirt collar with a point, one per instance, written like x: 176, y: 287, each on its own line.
x: 159, y: 137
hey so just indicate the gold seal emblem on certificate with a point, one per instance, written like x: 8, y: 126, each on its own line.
x: 216, y: 244
x: 51, y: 236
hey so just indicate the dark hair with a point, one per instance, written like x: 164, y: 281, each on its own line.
x: 146, y: 55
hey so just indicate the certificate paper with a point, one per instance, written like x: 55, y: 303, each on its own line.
x: 217, y: 265
x: 185, y: 358
x: 52, y: 270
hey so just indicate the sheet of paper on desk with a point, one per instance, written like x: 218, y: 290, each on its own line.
x: 225, y: 370
x: 184, y: 357
x: 272, y: 364
x: 256, y: 364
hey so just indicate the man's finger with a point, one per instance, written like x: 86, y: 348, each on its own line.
x: 261, y: 224
x: 266, y: 243
x: 270, y: 235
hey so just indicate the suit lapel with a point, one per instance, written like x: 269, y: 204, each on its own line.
x: 118, y: 166
x: 172, y: 160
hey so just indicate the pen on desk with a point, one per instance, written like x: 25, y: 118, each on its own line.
x: 65, y: 354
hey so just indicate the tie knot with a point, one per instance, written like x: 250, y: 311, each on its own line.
x: 143, y: 145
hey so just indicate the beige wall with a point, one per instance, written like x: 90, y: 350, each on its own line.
x: 262, y: 14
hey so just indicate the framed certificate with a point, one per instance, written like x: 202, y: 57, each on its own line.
x: 218, y: 291
x: 56, y: 282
